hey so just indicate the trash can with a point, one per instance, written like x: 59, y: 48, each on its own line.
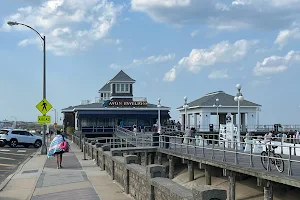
x: 211, y: 128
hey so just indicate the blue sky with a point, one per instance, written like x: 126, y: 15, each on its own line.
x: 172, y: 48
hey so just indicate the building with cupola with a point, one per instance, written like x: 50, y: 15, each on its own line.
x: 116, y: 105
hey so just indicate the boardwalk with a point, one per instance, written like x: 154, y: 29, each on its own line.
x: 236, y: 161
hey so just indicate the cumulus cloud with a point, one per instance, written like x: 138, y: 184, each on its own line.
x: 262, y: 14
x: 218, y: 74
x: 275, y: 64
x: 69, y: 25
x: 146, y: 61
x: 223, y: 52
x: 285, y: 36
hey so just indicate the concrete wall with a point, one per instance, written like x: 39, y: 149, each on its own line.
x: 145, y: 182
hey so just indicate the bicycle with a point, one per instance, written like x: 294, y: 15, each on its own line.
x: 275, y: 159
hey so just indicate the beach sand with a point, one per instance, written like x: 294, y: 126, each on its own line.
x: 245, y: 190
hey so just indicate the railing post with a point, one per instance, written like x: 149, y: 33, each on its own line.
x: 235, y: 149
x: 290, y: 162
x: 195, y: 148
x: 294, y: 149
x: 281, y: 145
x: 187, y: 146
x: 251, y: 157
x: 269, y: 160
x: 213, y: 146
x: 203, y: 153
x: 223, y: 159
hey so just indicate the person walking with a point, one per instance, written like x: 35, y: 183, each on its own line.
x: 57, y: 147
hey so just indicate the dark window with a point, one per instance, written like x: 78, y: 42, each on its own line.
x: 28, y: 134
x: 22, y: 133
x: 3, y: 132
x: 15, y: 132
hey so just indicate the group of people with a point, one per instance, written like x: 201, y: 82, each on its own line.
x: 59, y: 145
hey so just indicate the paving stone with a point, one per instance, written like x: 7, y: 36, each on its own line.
x: 69, y: 162
x: 85, y: 193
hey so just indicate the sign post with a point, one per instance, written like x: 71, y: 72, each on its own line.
x: 44, y: 107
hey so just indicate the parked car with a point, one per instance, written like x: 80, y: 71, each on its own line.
x: 15, y: 137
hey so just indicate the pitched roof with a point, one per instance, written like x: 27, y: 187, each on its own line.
x: 224, y: 100
x: 122, y: 76
x: 105, y: 88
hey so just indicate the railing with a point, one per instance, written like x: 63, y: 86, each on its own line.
x: 137, y: 139
x: 98, y: 129
x: 228, y: 152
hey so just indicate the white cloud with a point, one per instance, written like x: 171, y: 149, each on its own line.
x: 69, y: 25
x: 147, y: 61
x: 194, y: 33
x: 223, y: 52
x: 286, y: 36
x: 218, y: 74
x: 154, y: 59
x: 171, y: 75
x: 262, y: 14
x: 275, y: 64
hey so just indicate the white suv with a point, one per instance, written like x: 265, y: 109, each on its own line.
x: 14, y: 137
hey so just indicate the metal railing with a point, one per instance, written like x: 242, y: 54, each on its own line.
x: 134, y: 138
x: 217, y: 150
x: 227, y: 151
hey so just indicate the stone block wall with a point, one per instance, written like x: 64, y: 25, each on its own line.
x: 108, y: 162
x: 138, y: 184
x: 119, y: 169
x: 148, y: 182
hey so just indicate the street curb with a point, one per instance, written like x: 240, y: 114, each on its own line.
x: 6, y: 181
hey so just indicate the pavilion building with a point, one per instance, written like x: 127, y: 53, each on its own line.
x: 116, y: 105
x: 199, y: 112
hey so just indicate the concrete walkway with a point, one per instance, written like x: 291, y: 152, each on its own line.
x: 79, y: 179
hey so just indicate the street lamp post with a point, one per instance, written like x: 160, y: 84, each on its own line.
x: 44, y: 147
x: 217, y: 105
x: 15, y: 121
x: 55, y: 115
x: 239, y: 97
x: 185, y: 106
x: 159, y: 124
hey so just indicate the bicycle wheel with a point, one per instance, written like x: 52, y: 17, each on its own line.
x: 264, y: 159
x: 279, y: 163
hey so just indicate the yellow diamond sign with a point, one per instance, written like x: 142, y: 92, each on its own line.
x: 44, y: 119
x: 44, y: 106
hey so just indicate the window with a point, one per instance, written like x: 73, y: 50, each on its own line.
x: 15, y: 132
x: 4, y: 132
x: 122, y: 88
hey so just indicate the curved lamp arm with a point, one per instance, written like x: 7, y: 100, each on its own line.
x: 17, y: 23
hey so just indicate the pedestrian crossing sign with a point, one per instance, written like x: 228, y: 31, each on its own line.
x: 44, y: 119
x: 44, y: 106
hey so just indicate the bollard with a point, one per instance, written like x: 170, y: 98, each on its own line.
x: 84, y: 150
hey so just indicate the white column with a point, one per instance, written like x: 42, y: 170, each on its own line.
x: 195, y: 120
x: 182, y: 122
x: 188, y: 121
x: 251, y: 121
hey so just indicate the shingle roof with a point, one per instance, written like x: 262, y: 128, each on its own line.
x: 105, y: 88
x: 100, y: 105
x: 122, y: 76
x: 224, y: 100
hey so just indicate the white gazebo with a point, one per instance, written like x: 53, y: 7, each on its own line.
x: 198, y: 113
